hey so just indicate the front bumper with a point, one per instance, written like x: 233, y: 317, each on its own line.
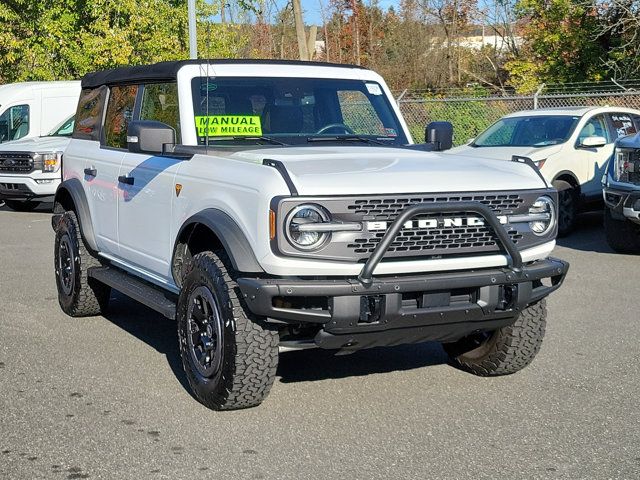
x: 404, y: 309
x: 19, y: 187
x: 623, y: 203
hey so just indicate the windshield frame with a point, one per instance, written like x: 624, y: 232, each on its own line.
x: 576, y: 120
x: 376, y: 92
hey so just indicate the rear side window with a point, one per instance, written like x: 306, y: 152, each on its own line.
x: 122, y: 100
x: 89, y: 113
x: 14, y: 123
x: 160, y: 103
x: 623, y: 124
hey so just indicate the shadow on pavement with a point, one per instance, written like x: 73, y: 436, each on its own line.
x: 150, y: 327
x: 316, y: 364
x: 588, y: 235
x: 43, y: 207
x: 298, y: 366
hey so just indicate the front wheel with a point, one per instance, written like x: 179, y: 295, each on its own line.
x: 229, y: 356
x: 505, y: 350
x: 567, y: 207
x: 622, y: 235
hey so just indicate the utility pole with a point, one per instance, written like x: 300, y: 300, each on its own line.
x: 193, y: 41
x: 300, y: 33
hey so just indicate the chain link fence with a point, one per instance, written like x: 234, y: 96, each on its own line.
x: 470, y: 115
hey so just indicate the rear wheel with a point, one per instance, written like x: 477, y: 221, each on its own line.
x: 229, y: 356
x: 505, y: 350
x: 567, y: 207
x: 22, y: 205
x: 78, y: 294
x: 622, y: 235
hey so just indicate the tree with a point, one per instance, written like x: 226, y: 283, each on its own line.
x: 619, y: 33
x: 559, y: 44
x: 50, y: 40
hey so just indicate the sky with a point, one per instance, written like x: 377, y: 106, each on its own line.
x: 312, y: 15
x: 312, y: 9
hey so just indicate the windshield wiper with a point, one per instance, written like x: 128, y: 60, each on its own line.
x: 347, y: 138
x: 270, y: 140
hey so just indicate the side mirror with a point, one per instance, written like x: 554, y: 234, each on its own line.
x: 592, y: 142
x: 439, y: 134
x: 149, y: 136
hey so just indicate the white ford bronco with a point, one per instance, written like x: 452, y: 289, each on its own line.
x: 266, y: 204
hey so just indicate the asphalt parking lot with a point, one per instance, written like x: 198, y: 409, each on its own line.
x: 106, y: 397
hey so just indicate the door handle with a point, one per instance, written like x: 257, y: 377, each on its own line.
x: 126, y: 179
x: 90, y: 172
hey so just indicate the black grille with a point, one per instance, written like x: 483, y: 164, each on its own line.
x: 16, y: 162
x: 437, y: 240
x: 388, y: 208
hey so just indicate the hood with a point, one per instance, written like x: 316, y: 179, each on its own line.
x: 380, y: 170
x: 36, y: 144
x: 505, y: 153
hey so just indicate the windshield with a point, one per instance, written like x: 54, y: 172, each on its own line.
x: 65, y: 129
x: 534, y: 131
x: 293, y: 111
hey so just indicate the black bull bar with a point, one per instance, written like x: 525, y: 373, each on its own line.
x: 514, y: 261
x: 365, y: 311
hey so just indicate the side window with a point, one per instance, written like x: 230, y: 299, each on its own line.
x: 595, y: 127
x: 623, y: 124
x: 122, y: 100
x: 160, y: 103
x: 89, y: 113
x: 14, y: 123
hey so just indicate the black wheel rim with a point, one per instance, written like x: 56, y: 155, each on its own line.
x: 204, y: 332
x: 66, y: 265
x: 565, y: 209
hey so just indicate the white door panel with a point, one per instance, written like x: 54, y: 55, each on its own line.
x: 102, y: 195
x: 144, y: 211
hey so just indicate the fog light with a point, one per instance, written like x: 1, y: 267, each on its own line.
x: 45, y: 181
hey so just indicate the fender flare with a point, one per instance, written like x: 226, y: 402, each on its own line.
x: 230, y: 235
x: 73, y: 187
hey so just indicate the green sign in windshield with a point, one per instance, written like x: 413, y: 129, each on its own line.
x: 228, y: 126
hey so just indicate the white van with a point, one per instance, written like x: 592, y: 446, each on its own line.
x: 33, y: 109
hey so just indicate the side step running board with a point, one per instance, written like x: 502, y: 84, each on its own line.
x: 141, y: 291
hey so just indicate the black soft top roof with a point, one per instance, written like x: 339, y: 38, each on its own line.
x: 165, y: 71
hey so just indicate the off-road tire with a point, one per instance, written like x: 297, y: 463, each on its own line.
x: 568, y: 201
x: 22, y: 205
x: 506, y: 350
x: 622, y: 235
x: 82, y: 296
x: 249, y: 355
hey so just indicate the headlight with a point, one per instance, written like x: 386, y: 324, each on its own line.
x: 304, y: 239
x: 624, y: 165
x: 50, y: 161
x: 543, y: 215
x: 539, y: 163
